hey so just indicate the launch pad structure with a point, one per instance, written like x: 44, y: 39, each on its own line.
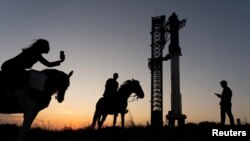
x: 159, y: 37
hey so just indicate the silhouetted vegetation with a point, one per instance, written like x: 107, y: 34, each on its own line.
x: 191, y: 131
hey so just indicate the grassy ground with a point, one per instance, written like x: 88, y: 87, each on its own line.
x: 194, y: 132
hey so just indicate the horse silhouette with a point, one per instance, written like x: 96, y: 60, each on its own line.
x: 30, y: 101
x: 116, y: 104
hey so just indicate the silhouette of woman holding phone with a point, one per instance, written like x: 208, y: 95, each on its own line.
x: 14, y: 69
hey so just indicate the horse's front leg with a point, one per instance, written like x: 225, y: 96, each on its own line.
x: 122, y: 119
x: 100, y: 121
x: 114, y: 121
x: 28, y: 118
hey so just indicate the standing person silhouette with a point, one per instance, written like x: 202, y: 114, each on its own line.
x: 14, y: 69
x: 111, y: 86
x: 225, y: 103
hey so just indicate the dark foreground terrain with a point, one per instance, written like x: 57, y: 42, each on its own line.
x: 192, y: 132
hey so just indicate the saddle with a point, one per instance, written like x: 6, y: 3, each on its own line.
x: 34, y: 79
x: 110, y: 98
x: 113, y: 104
x: 37, y: 80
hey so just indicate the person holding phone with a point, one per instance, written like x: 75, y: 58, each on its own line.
x: 225, y: 103
x: 14, y: 69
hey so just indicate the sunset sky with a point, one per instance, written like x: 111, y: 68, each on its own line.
x: 100, y: 37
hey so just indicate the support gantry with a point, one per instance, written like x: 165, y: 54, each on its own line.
x: 155, y: 65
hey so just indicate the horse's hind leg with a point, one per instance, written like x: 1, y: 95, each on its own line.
x: 102, y: 118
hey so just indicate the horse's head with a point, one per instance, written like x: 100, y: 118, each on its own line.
x: 63, y: 86
x: 136, y: 88
x: 58, y: 82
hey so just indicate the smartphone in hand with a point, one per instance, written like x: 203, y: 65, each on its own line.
x: 62, y: 55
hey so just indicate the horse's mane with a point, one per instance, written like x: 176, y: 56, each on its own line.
x: 55, y: 77
x: 53, y: 72
x: 129, y: 81
x: 126, y: 83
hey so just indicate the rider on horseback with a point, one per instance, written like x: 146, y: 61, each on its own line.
x: 15, y: 69
x: 111, y: 86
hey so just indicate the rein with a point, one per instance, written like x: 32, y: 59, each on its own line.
x: 135, y: 97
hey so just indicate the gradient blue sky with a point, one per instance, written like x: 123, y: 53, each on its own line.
x: 102, y: 37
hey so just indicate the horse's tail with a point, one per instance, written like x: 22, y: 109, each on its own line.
x: 95, y: 118
x: 98, y: 113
